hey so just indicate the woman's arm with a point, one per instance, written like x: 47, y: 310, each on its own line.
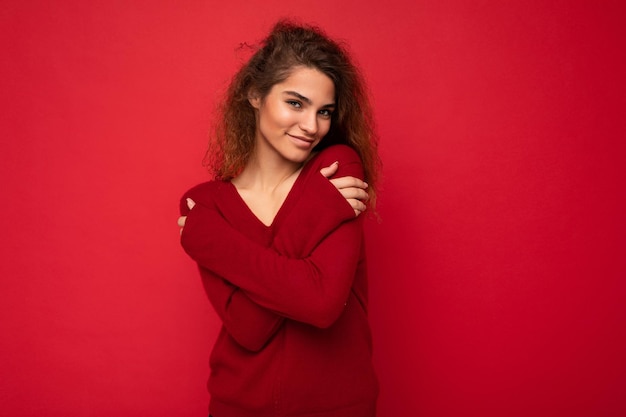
x: 312, y: 290
x: 247, y: 322
x: 318, y: 210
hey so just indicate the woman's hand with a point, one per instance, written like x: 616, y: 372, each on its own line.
x: 182, y: 219
x: 351, y: 188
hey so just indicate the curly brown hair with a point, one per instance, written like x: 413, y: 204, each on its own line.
x: 287, y: 46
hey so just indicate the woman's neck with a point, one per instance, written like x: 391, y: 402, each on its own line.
x: 266, y: 174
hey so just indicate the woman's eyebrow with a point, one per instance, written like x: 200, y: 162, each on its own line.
x: 305, y: 99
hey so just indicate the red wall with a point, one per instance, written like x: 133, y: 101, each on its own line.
x: 497, y: 272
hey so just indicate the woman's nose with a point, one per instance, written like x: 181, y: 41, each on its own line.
x: 308, y: 123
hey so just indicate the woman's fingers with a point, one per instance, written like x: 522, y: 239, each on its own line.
x: 357, y: 205
x: 330, y: 170
x: 353, y: 192
x: 182, y: 219
x: 181, y: 223
x: 351, y: 188
x: 349, y: 182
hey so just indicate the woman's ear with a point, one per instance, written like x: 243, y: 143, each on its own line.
x: 254, y: 99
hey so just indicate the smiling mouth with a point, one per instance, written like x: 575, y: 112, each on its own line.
x: 302, y: 142
x: 302, y: 138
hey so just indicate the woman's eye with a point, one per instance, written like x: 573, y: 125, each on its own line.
x: 294, y: 103
x: 325, y: 113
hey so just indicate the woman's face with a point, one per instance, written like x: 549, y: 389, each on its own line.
x: 294, y: 116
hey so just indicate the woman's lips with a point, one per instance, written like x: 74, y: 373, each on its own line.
x: 301, y: 141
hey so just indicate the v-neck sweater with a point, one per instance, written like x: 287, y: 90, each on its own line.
x: 292, y: 297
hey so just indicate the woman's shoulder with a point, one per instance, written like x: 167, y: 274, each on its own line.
x: 349, y: 161
x: 203, y: 193
x: 344, y: 154
x: 207, y: 186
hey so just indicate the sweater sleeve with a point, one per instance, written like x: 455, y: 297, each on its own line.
x: 312, y: 289
x: 251, y: 325
x: 248, y: 323
x: 320, y: 209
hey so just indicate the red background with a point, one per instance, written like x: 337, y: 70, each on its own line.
x: 497, y: 272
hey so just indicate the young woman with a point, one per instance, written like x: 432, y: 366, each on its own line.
x: 278, y: 236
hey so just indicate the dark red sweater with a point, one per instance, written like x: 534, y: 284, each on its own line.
x: 292, y: 297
